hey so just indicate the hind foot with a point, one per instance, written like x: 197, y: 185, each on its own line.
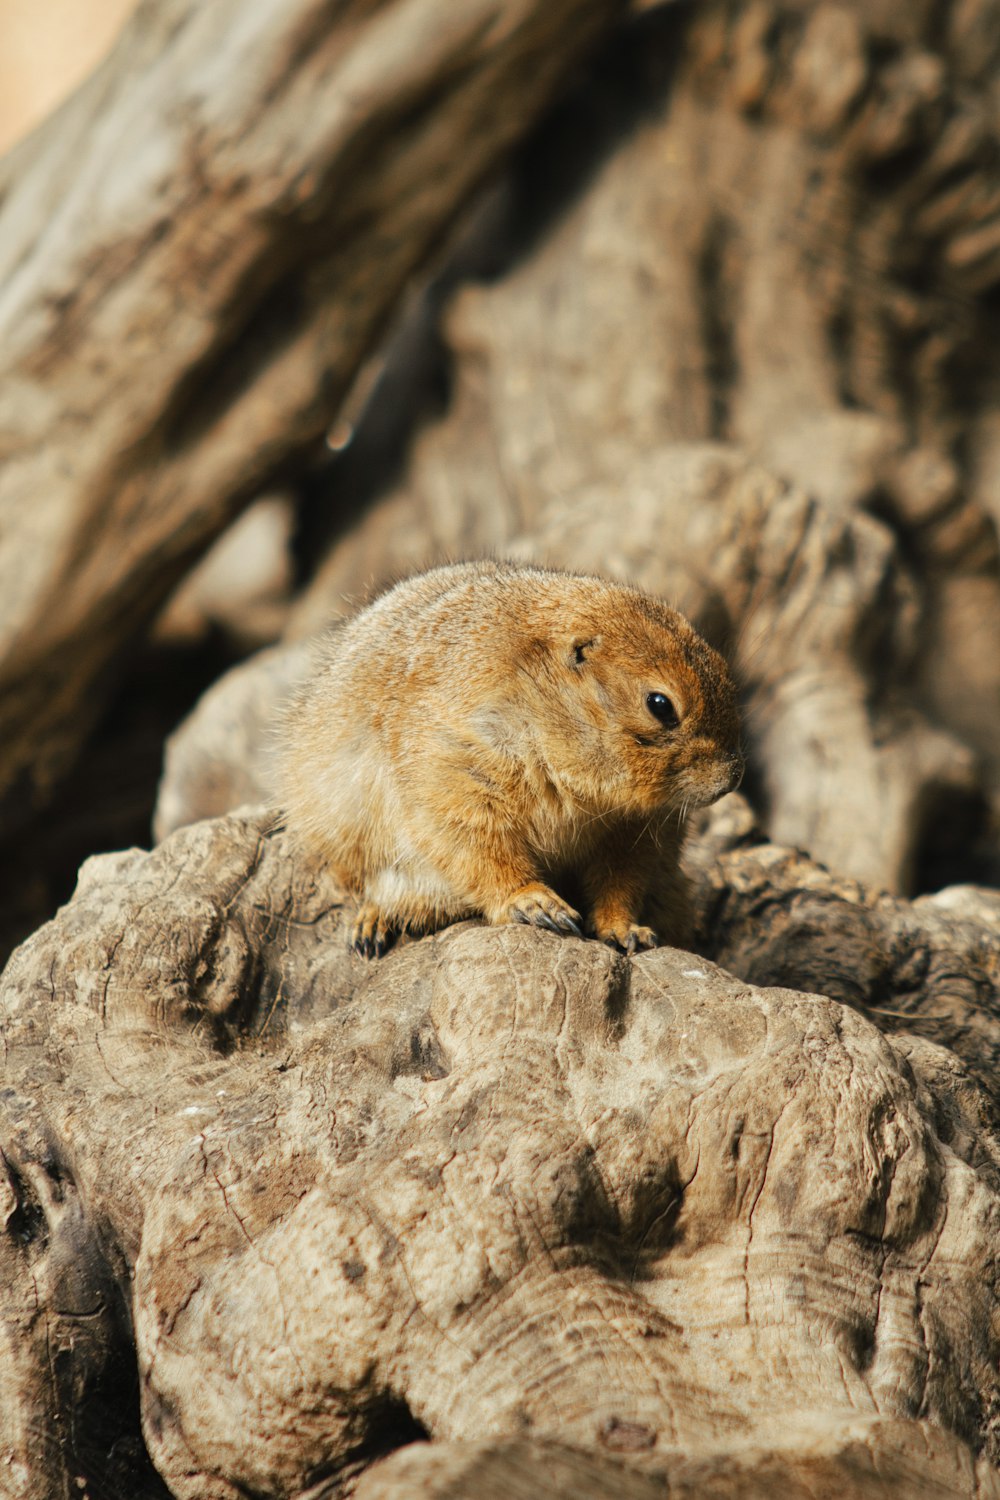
x: 373, y: 933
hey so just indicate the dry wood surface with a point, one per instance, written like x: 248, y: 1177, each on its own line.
x: 500, y: 1184
x: 506, y: 1215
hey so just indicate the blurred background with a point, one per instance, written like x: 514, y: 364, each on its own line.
x: 47, y: 49
x: 706, y: 296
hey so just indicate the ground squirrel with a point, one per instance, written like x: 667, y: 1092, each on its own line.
x: 485, y: 728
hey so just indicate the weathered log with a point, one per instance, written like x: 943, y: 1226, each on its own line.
x: 499, y: 1185
x: 196, y: 253
x: 638, y: 1228
x: 242, y: 588
x: 219, y: 758
x: 929, y: 969
x: 873, y: 1460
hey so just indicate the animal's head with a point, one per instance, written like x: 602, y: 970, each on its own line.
x: 647, y: 713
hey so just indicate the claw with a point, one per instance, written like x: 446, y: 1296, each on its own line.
x: 372, y: 935
x: 630, y: 940
x: 537, y: 906
x: 566, y: 924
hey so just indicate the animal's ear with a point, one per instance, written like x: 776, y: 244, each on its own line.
x: 582, y: 649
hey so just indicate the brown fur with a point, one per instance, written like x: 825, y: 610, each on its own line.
x: 483, y: 728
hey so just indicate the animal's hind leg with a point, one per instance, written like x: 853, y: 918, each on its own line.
x: 373, y: 932
x: 393, y: 906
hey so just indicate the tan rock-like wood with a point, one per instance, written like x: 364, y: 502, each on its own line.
x: 507, y: 1214
x: 499, y: 1185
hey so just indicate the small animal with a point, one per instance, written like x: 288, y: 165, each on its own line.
x: 488, y: 736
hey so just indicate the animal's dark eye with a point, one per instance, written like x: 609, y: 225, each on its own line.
x: 661, y: 708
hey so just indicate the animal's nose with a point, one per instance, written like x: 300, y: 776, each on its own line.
x: 737, y: 766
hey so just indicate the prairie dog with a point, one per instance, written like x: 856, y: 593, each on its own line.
x: 486, y: 732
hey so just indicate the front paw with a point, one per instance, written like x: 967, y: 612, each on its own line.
x: 627, y: 937
x: 538, y: 906
x: 373, y: 934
